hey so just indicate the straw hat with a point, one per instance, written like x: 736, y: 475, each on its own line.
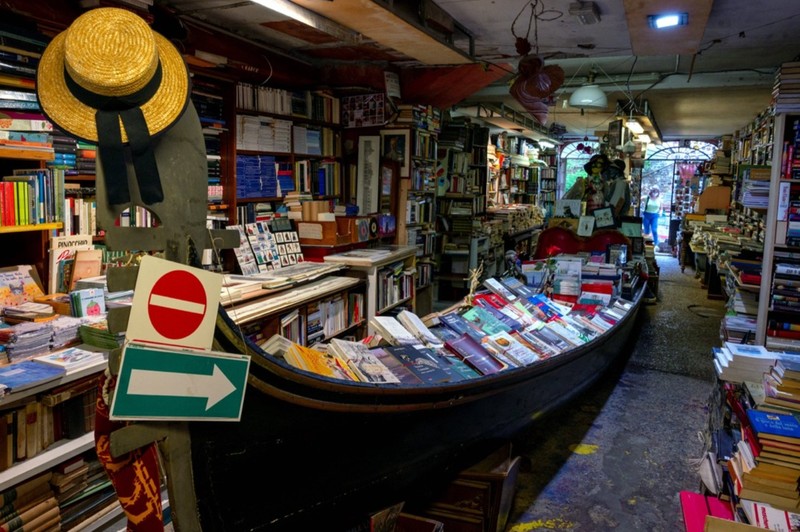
x: 111, y: 56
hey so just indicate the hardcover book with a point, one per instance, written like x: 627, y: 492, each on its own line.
x: 420, y: 363
x: 461, y: 325
x: 396, y: 366
x: 484, y: 320
x: 471, y: 352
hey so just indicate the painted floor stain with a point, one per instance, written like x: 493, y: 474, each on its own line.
x: 583, y: 448
x: 548, y: 524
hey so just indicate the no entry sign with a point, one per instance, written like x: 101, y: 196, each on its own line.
x: 174, y: 304
x: 177, y: 304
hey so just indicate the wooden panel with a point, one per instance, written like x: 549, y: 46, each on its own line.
x: 680, y: 40
x: 383, y: 26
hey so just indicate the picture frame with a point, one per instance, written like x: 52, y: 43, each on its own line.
x: 396, y: 146
x: 604, y: 217
x: 567, y: 208
x: 637, y: 245
x: 367, y: 178
x: 615, y: 134
x: 567, y: 223
x: 585, y: 225
x: 631, y: 226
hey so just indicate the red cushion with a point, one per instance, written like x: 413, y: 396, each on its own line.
x: 555, y: 240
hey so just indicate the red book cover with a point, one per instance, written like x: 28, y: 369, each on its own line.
x: 783, y: 333
x: 600, y: 288
x: 9, y: 210
x: 489, y: 299
x: 474, y: 355
x: 696, y: 507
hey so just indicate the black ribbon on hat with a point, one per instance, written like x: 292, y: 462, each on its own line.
x: 110, y: 109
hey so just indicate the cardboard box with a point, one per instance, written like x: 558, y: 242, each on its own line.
x: 323, y: 233
x: 59, y: 302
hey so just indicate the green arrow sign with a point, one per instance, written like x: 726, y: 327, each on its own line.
x: 177, y: 383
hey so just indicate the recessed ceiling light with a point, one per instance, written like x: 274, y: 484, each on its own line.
x: 671, y: 20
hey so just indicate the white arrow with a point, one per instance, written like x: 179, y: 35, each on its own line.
x: 214, y: 387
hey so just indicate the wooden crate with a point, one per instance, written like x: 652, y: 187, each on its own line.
x: 480, y: 499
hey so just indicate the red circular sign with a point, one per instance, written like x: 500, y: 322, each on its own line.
x: 177, y: 304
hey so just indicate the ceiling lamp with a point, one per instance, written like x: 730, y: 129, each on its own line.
x: 660, y: 22
x: 635, y: 127
x: 588, y: 97
x: 644, y: 139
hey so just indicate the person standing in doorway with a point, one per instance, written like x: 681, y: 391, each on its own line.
x: 650, y: 213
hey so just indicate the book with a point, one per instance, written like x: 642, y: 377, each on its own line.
x: 86, y: 263
x: 471, y: 352
x: 460, y: 325
x: 19, y: 284
x: 417, y: 327
x: 28, y: 374
x: 420, y: 362
x: 511, y: 347
x: 397, y: 366
x: 87, y: 302
x: 315, y: 361
x: 362, y: 361
x: 484, y: 320
x: 393, y: 331
x: 73, y: 357
x: 763, y: 515
x: 781, y: 427
x: 696, y: 506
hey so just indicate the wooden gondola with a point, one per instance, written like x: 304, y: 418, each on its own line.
x: 314, y: 453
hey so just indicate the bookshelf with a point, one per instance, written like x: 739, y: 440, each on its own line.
x: 416, y: 208
x: 781, y: 239
x: 286, y: 142
x: 461, y: 208
x: 306, y: 313
x: 389, y: 272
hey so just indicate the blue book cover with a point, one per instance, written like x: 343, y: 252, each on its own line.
x: 785, y: 425
x: 461, y: 325
x: 27, y: 374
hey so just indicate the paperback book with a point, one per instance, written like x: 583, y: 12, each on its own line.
x: 362, y: 361
x: 73, y: 357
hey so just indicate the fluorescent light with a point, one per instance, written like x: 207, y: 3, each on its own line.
x: 546, y: 144
x: 643, y: 138
x: 668, y: 21
x: 635, y: 127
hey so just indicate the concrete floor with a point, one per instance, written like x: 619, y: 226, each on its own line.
x: 617, y: 457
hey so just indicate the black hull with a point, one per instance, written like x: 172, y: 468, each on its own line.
x: 323, y: 457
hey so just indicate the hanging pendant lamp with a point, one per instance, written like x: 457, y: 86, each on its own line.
x: 589, y: 97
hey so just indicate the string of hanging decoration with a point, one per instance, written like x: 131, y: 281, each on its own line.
x: 535, y: 83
